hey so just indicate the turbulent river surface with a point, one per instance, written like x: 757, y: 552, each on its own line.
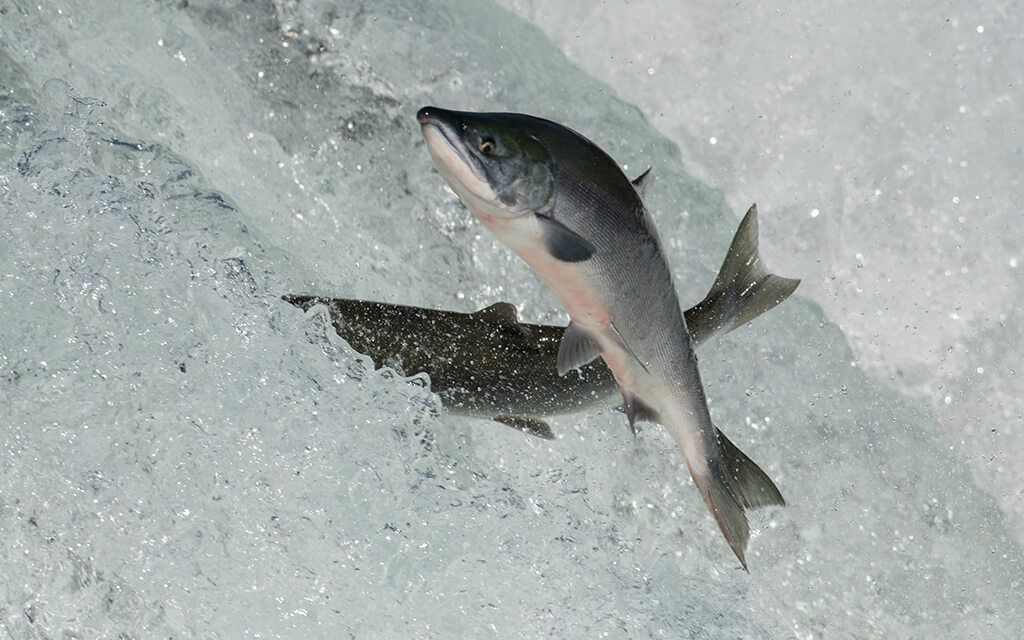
x: 183, y: 454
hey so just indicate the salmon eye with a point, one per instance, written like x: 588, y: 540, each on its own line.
x: 487, y: 146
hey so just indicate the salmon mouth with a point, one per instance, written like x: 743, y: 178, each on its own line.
x: 459, y: 168
x: 436, y: 135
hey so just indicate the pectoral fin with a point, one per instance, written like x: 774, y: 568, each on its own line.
x: 576, y: 349
x: 563, y: 243
x: 625, y: 346
x: 579, y: 348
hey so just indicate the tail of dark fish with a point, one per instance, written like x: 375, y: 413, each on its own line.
x: 742, y: 291
x: 734, y: 483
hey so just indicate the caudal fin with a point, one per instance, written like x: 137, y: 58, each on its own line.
x: 733, y: 484
x: 742, y: 291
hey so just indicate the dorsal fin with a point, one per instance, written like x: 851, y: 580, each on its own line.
x: 642, y: 181
x: 504, y: 316
x: 500, y: 313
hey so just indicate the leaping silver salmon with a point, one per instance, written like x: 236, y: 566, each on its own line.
x: 567, y: 209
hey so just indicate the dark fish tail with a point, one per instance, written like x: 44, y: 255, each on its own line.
x: 742, y: 291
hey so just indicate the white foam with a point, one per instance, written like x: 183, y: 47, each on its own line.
x: 185, y: 455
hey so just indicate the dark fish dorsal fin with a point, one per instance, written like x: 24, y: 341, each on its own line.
x: 642, y: 181
x: 499, y: 313
x: 504, y: 316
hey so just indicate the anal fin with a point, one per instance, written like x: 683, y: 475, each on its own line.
x: 636, y: 410
x: 532, y: 426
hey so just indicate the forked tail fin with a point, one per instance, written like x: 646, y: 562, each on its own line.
x: 742, y: 291
x: 733, y: 484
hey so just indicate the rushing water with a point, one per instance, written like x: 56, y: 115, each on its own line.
x: 185, y: 455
